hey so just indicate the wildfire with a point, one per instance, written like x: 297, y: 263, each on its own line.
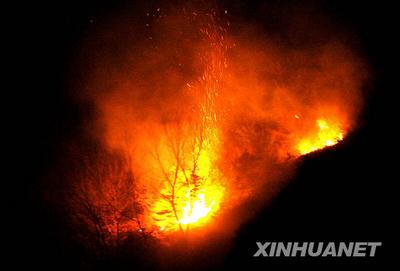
x: 327, y: 134
x: 204, y: 118
x: 192, y: 214
x: 192, y: 196
x: 193, y: 191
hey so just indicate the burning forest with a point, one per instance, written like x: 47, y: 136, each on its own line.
x: 198, y: 120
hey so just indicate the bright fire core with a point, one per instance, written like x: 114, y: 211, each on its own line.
x: 327, y: 134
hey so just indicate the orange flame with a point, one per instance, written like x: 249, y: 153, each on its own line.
x: 203, y: 134
x: 327, y: 135
x: 192, y: 198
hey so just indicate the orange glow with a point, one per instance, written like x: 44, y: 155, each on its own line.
x: 208, y: 120
x: 325, y: 134
x: 192, y: 197
x: 192, y: 188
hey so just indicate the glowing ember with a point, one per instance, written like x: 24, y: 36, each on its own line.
x: 327, y: 135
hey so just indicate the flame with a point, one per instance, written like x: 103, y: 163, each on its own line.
x: 196, y: 199
x: 328, y: 134
x: 200, y: 192
x: 194, y: 192
x: 205, y: 124
x: 199, y: 209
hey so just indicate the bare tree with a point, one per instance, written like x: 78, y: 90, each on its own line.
x: 103, y: 200
x: 181, y: 147
x: 177, y: 160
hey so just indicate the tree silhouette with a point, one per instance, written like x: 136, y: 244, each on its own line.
x: 102, y: 200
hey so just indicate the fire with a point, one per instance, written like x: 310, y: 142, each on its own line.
x: 193, y: 195
x: 328, y: 134
x: 194, y: 212
x: 193, y: 191
x: 204, y: 117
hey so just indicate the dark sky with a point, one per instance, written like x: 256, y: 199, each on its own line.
x: 341, y: 195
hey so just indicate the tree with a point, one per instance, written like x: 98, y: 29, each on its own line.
x: 102, y: 200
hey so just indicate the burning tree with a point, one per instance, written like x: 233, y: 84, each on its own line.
x: 191, y: 188
x: 187, y: 155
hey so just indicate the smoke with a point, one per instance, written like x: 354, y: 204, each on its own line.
x: 170, y: 82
